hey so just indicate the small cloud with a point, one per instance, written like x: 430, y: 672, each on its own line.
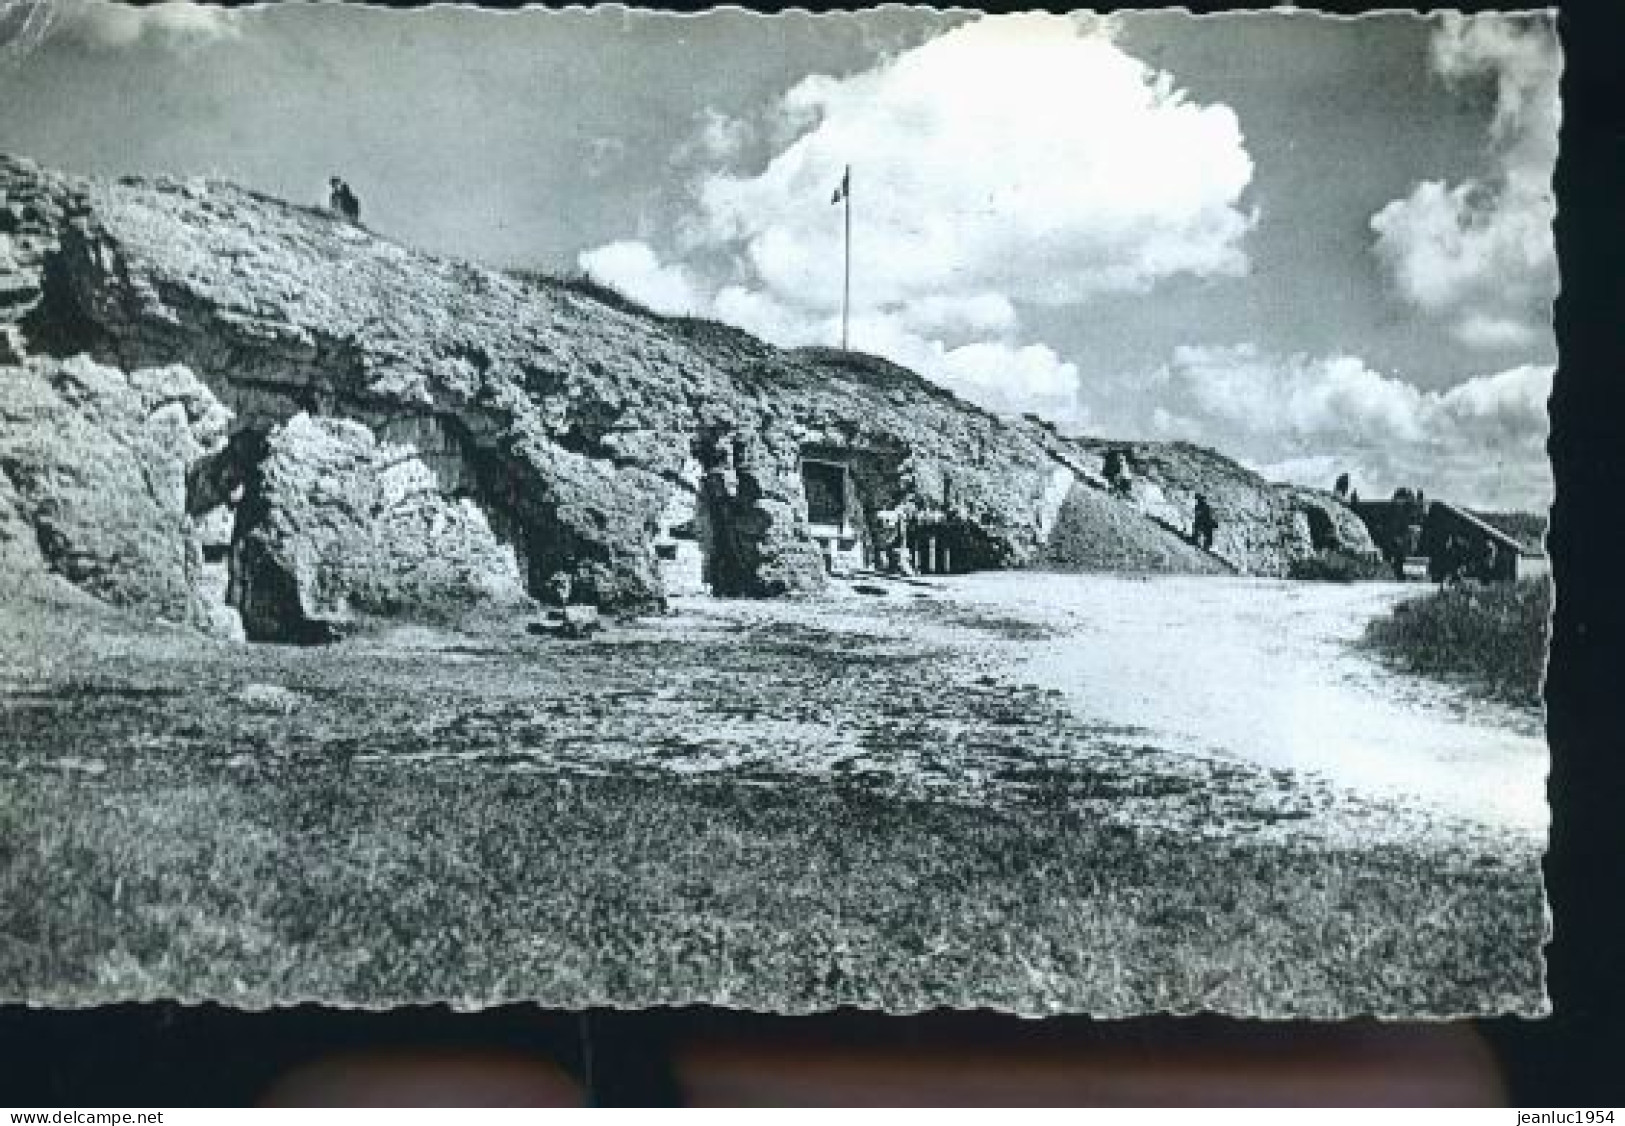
x: 1453, y: 250
x: 634, y: 269
x: 1479, y: 330
x: 1013, y: 379
x: 24, y: 25
x: 1479, y: 254
x: 1508, y: 409
x: 969, y: 201
x: 757, y: 312
x: 967, y: 313
x: 1294, y: 402
x: 105, y: 25
x: 998, y: 374
x: 721, y: 137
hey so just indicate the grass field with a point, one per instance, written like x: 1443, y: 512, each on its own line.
x: 1491, y: 636
x: 480, y: 819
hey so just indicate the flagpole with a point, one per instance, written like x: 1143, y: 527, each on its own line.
x: 846, y: 284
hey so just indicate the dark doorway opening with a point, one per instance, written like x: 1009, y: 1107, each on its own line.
x: 1322, y: 531
x: 826, y: 486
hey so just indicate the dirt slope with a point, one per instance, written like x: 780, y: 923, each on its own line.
x: 1263, y: 528
x: 1097, y: 532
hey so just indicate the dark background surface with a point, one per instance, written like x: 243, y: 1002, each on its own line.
x: 166, y: 1054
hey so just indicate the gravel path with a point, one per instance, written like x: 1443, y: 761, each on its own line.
x: 1269, y: 672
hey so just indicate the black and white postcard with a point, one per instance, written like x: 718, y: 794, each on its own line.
x: 895, y: 509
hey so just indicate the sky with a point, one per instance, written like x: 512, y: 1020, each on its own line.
x: 1319, y: 245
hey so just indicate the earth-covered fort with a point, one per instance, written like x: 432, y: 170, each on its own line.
x: 257, y: 418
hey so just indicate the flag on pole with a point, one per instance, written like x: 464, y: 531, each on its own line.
x: 844, y: 193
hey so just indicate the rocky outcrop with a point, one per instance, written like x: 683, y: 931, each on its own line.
x: 410, y: 434
x: 125, y: 484
x: 340, y: 526
x: 94, y: 464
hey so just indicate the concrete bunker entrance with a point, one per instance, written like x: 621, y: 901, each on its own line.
x: 949, y: 545
x: 866, y: 511
x: 837, y: 518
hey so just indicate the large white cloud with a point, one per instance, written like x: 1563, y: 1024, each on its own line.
x: 1480, y: 253
x: 1015, y: 160
x: 1308, y: 418
x: 1026, y: 155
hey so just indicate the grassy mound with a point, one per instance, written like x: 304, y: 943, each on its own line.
x: 1491, y: 635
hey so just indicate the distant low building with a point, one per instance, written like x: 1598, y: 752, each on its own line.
x: 1458, y: 543
x: 1438, y: 539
